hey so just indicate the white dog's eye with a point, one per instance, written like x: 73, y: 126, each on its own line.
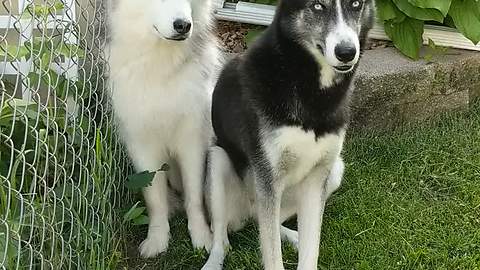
x: 318, y: 6
x: 356, y: 4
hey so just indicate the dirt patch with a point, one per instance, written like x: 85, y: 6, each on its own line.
x: 233, y: 37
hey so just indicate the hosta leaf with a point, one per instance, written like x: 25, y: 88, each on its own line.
x: 387, y: 10
x: 464, y: 15
x: 406, y: 36
x: 449, y: 22
x: 442, y: 5
x: 425, y: 14
x: 477, y: 10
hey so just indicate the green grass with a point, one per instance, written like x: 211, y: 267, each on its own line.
x: 410, y: 200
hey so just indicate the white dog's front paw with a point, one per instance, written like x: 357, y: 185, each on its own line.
x: 201, y: 235
x: 155, y: 243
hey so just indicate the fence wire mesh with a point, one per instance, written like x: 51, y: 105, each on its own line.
x: 60, y: 164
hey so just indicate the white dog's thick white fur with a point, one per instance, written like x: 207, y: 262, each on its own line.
x: 161, y: 98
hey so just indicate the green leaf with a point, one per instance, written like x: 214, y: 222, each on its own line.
x: 143, y: 179
x: 133, y: 212
x: 442, y: 5
x: 477, y: 10
x: 98, y: 147
x: 466, y: 19
x: 8, y: 246
x: 13, y: 52
x: 449, y: 22
x: 406, y: 36
x: 141, y: 220
x: 388, y: 11
x: 59, y: 5
x: 140, y: 180
x: 34, y: 80
x: 70, y: 51
x: 425, y: 14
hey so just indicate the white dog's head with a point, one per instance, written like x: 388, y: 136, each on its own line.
x: 171, y: 19
x: 164, y: 20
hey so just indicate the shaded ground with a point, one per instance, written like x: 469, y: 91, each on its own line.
x: 410, y: 200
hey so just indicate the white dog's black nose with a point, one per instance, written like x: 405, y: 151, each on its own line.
x: 181, y: 26
x: 345, y: 52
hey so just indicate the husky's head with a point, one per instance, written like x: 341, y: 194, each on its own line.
x: 332, y: 30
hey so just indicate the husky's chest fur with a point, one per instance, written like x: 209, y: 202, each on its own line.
x: 293, y: 152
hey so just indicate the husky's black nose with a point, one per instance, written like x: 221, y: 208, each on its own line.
x: 181, y: 26
x: 345, y: 52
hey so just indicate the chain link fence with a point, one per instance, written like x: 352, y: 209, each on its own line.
x: 61, y: 166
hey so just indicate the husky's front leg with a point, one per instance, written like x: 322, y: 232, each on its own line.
x: 268, y: 201
x: 312, y: 196
x: 155, y: 196
x: 310, y: 212
x: 191, y: 157
x: 311, y: 204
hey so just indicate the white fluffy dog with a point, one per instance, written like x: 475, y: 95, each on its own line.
x: 163, y: 67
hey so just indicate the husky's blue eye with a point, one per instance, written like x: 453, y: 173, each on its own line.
x: 318, y: 6
x: 356, y: 4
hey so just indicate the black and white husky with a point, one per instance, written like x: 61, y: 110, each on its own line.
x: 280, y: 113
x: 163, y: 60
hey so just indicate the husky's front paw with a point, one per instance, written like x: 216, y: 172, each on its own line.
x: 217, y: 255
x: 156, y: 243
x: 212, y: 266
x: 201, y: 235
x: 290, y: 236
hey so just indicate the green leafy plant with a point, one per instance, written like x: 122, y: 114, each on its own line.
x: 404, y: 20
x: 57, y: 165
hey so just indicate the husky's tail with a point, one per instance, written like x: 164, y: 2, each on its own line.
x: 175, y: 189
x: 175, y: 202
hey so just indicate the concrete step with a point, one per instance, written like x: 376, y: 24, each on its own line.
x: 391, y: 89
